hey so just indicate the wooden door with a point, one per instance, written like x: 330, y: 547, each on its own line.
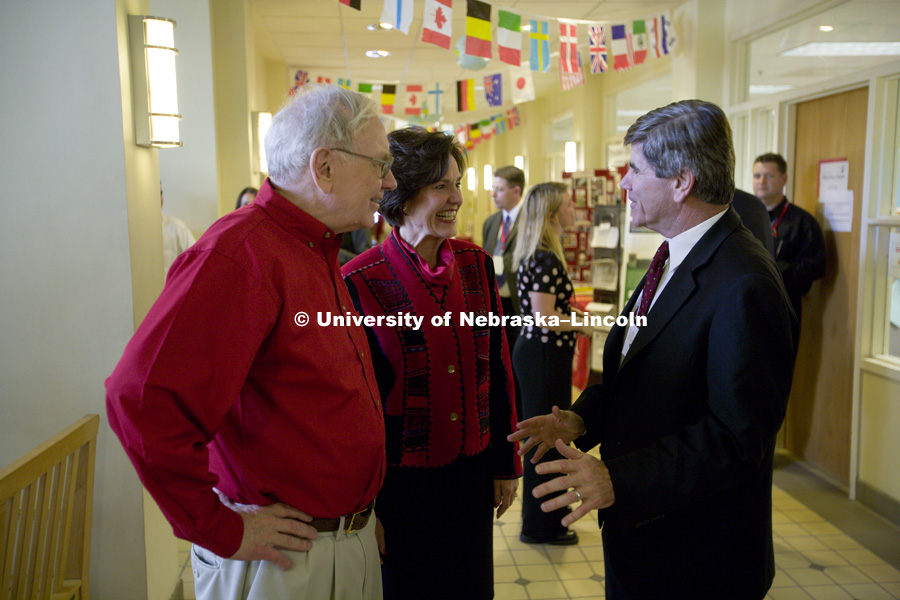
x: 817, y: 427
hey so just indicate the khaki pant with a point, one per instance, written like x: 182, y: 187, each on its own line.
x: 337, y: 567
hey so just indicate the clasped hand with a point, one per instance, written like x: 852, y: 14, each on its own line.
x: 579, y: 471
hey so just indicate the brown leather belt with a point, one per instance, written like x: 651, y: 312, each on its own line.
x: 354, y: 522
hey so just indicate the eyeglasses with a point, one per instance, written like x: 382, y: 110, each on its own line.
x: 385, y: 164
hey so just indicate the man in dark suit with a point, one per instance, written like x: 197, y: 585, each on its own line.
x: 691, y: 401
x: 755, y: 218
x: 499, y: 239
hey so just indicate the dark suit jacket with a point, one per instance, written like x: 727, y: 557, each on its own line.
x: 755, y: 217
x: 490, y: 233
x: 687, y: 425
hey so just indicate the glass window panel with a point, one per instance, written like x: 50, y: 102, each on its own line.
x: 772, y: 72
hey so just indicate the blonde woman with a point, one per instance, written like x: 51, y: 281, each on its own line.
x: 543, y: 355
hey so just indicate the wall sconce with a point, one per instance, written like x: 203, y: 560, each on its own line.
x: 261, y: 123
x: 488, y: 178
x: 470, y: 179
x: 152, y: 41
x: 571, y: 159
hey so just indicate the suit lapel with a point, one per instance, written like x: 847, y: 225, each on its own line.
x: 683, y: 283
x: 512, y: 232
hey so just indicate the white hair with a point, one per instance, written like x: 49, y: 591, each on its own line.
x: 318, y: 116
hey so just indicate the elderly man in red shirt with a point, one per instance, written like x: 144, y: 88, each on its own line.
x: 227, y: 400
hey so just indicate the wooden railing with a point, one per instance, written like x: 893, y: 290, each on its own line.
x: 46, y: 499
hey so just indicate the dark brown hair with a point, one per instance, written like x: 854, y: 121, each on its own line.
x: 421, y: 157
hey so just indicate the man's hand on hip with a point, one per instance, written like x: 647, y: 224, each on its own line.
x: 268, y: 528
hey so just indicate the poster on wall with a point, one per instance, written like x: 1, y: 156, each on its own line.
x: 835, y: 198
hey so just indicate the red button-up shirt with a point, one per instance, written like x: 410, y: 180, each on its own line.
x: 221, y: 386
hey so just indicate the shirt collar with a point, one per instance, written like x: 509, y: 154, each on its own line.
x: 296, y: 221
x: 682, y: 244
x: 512, y: 213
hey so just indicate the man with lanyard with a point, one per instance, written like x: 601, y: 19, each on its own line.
x: 799, y: 244
x: 499, y: 238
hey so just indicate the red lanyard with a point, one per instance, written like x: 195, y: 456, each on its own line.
x: 778, y: 221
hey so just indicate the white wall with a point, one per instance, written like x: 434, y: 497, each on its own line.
x: 66, y: 307
x: 188, y: 174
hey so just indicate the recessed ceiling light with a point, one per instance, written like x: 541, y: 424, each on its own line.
x: 769, y: 89
x: 845, y: 49
x: 379, y: 26
x: 826, y: 28
x: 377, y: 53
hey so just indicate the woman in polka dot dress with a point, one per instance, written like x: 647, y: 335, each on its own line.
x: 542, y: 357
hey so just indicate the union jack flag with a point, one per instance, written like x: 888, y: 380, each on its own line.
x: 598, y: 49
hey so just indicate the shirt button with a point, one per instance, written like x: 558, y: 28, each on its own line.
x: 454, y: 417
x: 311, y: 245
x: 451, y: 368
x: 327, y: 234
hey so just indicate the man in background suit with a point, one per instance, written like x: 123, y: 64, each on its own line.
x: 499, y: 239
x: 691, y: 402
x: 755, y: 218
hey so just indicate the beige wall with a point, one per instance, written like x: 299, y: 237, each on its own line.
x: 81, y: 243
x: 233, y: 68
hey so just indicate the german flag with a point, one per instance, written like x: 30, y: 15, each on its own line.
x: 350, y: 3
x: 478, y: 29
x: 465, y: 95
x: 388, y: 95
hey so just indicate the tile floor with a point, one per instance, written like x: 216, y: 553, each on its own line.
x: 826, y: 548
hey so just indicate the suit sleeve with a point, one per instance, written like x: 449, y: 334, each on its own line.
x: 589, y: 407
x: 749, y: 364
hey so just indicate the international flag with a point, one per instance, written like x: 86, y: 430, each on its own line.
x: 437, y: 22
x: 598, y: 49
x: 493, y: 89
x: 499, y: 123
x: 474, y: 134
x: 639, y: 41
x: 570, y: 80
x: 388, y: 96
x: 413, y: 100
x: 462, y: 134
x: 350, y: 3
x: 522, y: 86
x: 509, y: 37
x: 486, y: 129
x: 619, y: 46
x: 398, y: 13
x: 436, y: 92
x: 512, y: 117
x: 478, y: 28
x: 662, y: 36
x: 344, y: 83
x: 364, y: 88
x: 568, y: 48
x: 323, y: 79
x: 465, y: 95
x: 301, y: 78
x: 540, y: 46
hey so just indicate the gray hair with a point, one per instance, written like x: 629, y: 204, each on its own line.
x: 318, y: 116
x: 689, y: 135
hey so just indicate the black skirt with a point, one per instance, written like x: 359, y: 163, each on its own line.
x: 545, y: 376
x: 438, y: 528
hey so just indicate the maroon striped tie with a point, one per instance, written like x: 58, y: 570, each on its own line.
x: 652, y: 280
